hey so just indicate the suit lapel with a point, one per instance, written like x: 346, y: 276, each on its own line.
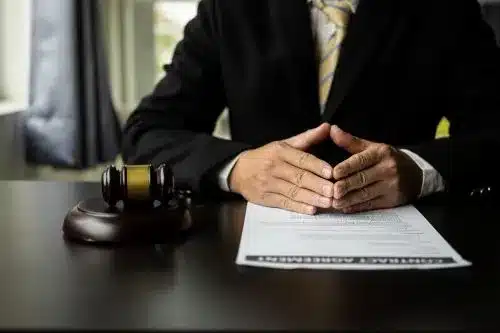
x: 294, y: 33
x: 365, y: 33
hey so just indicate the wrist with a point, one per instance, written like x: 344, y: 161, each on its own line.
x: 233, y: 178
x: 415, y: 176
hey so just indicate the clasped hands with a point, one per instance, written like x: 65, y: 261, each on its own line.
x: 284, y: 175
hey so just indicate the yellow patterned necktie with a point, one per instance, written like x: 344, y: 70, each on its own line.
x: 339, y: 15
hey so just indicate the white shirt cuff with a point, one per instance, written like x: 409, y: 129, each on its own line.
x: 223, y: 175
x: 432, y: 181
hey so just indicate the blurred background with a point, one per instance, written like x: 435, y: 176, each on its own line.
x: 71, y: 71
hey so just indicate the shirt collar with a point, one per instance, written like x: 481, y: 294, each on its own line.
x: 354, y: 3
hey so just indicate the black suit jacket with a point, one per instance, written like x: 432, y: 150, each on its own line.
x: 403, y: 66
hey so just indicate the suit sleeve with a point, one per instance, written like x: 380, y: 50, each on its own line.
x: 469, y: 158
x: 174, y: 124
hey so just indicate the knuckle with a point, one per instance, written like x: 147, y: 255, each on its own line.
x: 385, y: 150
x: 341, y: 187
x: 362, y: 160
x: 293, y: 192
x: 368, y: 205
x: 286, y: 203
x: 282, y: 145
x: 299, y: 177
x: 365, y: 193
x: 278, y: 147
x: 391, y: 163
x: 339, y: 170
x: 317, y: 200
x: 303, y: 159
x: 392, y: 166
x: 344, y: 185
x: 362, y: 178
x: 263, y: 196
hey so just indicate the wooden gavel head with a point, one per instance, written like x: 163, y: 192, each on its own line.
x: 137, y: 184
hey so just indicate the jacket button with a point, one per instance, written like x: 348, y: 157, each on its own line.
x: 480, y: 192
x: 474, y: 193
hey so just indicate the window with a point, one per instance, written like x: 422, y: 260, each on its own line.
x: 15, y: 31
x: 141, y: 36
x: 2, y: 52
x: 171, y: 16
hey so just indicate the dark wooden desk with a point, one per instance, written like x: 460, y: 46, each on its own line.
x: 46, y: 282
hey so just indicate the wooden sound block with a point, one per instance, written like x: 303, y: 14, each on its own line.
x: 94, y: 221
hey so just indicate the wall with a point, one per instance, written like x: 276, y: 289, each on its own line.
x: 12, y: 164
x: 15, y: 31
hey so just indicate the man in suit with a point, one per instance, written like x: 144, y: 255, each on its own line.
x: 331, y: 103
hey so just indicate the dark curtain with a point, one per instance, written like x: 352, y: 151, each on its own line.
x: 71, y: 121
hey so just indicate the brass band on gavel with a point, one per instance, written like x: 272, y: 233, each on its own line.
x: 138, y: 180
x: 135, y: 183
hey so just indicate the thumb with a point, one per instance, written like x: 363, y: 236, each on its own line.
x: 349, y: 142
x: 309, y: 138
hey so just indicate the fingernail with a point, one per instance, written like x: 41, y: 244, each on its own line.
x: 327, y: 172
x: 328, y: 191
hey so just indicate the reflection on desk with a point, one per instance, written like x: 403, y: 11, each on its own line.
x: 47, y: 282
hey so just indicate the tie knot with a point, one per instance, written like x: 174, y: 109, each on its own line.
x: 338, y: 12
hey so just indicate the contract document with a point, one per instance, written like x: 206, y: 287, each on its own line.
x: 399, y: 238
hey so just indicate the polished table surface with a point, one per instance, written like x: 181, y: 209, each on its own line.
x: 50, y: 283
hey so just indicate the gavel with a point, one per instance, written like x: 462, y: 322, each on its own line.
x: 139, y: 188
x: 138, y: 185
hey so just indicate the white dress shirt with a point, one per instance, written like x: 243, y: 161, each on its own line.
x: 323, y: 29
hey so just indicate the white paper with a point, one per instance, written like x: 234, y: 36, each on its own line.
x: 399, y: 238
